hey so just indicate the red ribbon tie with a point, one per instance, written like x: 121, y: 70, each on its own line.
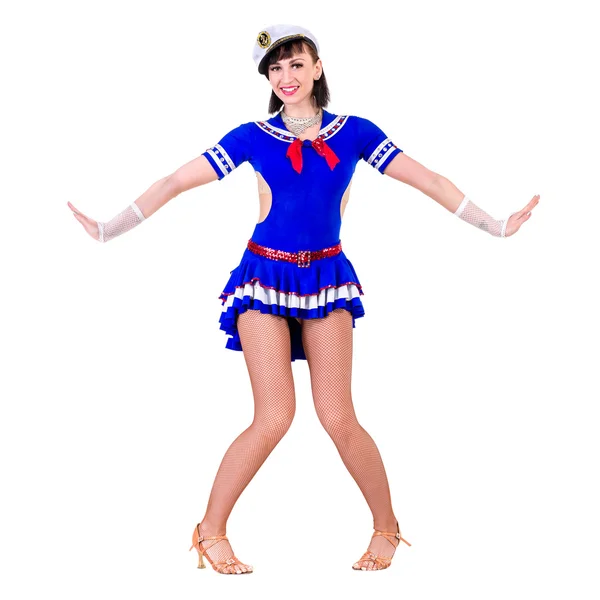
x: 324, y: 150
x: 294, y: 153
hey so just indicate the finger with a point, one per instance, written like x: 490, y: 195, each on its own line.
x: 89, y: 229
x: 523, y: 219
x: 533, y: 202
x: 527, y: 209
x: 84, y: 222
x: 520, y: 214
x: 84, y: 219
x: 75, y: 211
x: 72, y: 207
x: 517, y: 224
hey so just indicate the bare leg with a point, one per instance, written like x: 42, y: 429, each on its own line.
x: 328, y: 347
x: 266, y: 344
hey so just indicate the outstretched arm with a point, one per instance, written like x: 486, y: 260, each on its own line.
x: 193, y: 174
x: 444, y: 192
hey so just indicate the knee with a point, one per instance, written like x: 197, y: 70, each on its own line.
x: 272, y: 426
x: 340, y: 426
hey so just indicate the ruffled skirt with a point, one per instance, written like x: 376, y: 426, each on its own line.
x: 282, y: 288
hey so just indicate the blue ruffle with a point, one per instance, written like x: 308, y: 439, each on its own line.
x: 281, y: 276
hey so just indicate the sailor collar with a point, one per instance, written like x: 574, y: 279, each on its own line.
x: 276, y: 127
x: 332, y: 125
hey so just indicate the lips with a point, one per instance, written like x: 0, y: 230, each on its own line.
x: 290, y: 91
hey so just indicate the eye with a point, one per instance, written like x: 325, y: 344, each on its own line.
x: 294, y: 65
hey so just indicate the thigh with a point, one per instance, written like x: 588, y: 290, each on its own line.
x: 265, y: 340
x: 328, y: 347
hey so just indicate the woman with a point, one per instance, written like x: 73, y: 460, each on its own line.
x: 294, y: 294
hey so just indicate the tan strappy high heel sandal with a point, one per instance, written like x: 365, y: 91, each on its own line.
x: 381, y: 562
x: 219, y: 567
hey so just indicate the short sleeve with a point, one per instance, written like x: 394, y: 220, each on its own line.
x: 374, y: 146
x: 232, y: 150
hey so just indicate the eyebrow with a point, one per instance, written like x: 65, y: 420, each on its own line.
x: 290, y: 60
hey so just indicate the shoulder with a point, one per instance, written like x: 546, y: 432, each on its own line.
x: 356, y: 119
x: 248, y: 128
x: 240, y: 134
x: 367, y: 131
x: 357, y: 125
x: 362, y: 123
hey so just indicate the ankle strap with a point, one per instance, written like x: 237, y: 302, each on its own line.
x: 201, y: 538
x: 388, y: 534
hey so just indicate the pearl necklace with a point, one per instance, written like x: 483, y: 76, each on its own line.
x: 298, y: 125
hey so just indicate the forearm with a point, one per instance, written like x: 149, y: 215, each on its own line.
x: 157, y: 195
x: 444, y: 192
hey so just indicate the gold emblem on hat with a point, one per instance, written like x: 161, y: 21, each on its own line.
x: 264, y: 39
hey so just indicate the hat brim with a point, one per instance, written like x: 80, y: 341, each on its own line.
x: 262, y: 67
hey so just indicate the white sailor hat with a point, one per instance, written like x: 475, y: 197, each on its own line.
x: 275, y: 35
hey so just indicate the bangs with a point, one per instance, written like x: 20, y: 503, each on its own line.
x: 287, y: 50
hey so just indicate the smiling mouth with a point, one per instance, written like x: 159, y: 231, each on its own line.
x: 290, y: 89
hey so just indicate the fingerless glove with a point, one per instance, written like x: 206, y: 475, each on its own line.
x: 123, y: 222
x: 468, y: 211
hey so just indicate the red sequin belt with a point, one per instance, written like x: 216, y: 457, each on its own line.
x: 302, y: 258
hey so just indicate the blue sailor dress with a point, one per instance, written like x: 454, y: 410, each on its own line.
x: 304, y: 215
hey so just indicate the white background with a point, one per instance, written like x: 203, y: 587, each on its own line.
x: 475, y: 366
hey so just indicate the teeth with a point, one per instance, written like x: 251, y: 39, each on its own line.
x: 289, y: 89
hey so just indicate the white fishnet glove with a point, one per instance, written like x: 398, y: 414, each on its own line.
x: 468, y: 211
x: 123, y: 222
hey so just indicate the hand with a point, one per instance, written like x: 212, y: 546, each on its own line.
x: 515, y: 221
x: 89, y: 225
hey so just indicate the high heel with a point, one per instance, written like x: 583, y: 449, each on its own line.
x: 381, y: 562
x: 219, y: 567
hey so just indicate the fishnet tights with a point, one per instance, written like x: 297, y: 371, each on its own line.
x: 328, y: 347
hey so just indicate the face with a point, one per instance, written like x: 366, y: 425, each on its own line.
x: 297, y: 73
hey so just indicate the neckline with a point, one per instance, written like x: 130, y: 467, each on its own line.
x: 327, y: 119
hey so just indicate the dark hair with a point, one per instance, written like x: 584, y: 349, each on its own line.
x: 287, y: 50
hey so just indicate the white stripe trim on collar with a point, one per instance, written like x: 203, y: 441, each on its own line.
x: 277, y: 132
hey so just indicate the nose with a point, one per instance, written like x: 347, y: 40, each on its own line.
x: 287, y: 76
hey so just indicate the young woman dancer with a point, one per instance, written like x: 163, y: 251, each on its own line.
x: 295, y: 295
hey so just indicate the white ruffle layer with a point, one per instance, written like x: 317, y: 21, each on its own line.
x: 308, y: 302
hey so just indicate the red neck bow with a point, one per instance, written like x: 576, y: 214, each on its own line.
x: 294, y: 153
